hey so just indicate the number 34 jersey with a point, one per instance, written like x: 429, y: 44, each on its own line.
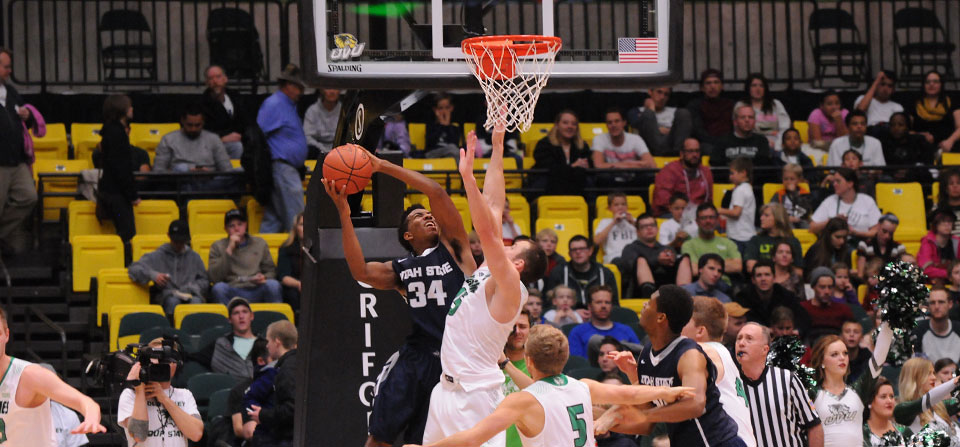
x: 567, y: 413
x: 431, y: 281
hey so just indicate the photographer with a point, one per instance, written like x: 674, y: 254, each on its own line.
x: 154, y: 413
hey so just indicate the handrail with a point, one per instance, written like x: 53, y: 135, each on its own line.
x: 33, y: 310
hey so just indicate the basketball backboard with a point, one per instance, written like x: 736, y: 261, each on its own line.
x: 607, y: 44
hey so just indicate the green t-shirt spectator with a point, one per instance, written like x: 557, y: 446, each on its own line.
x: 697, y: 247
x: 509, y: 387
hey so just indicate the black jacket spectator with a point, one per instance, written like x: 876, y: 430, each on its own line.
x: 562, y: 179
x: 438, y: 135
x: 11, y: 130
x: 760, y: 309
x: 215, y: 116
x: 117, y: 187
x: 627, y: 264
x: 755, y: 147
x: 581, y: 281
x: 711, y: 117
x: 288, y: 264
x: 280, y: 417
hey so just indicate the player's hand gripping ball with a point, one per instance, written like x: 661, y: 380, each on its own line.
x: 348, y: 165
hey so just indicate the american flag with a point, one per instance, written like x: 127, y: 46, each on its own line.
x: 637, y: 50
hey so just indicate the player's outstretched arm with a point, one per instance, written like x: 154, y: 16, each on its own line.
x: 38, y: 381
x: 494, y: 189
x: 602, y: 393
x: 505, y: 275
x: 444, y: 211
x: 511, y: 411
x: 692, y: 369
x: 379, y: 275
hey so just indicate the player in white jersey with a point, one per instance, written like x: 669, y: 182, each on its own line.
x: 482, y: 314
x: 25, y: 393
x: 554, y: 410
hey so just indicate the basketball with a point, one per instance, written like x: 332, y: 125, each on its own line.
x: 348, y: 165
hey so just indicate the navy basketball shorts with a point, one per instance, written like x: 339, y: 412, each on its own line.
x: 402, y: 396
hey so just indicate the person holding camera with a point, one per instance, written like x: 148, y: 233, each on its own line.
x: 153, y: 413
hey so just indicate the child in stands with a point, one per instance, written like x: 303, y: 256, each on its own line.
x: 562, y: 312
x: 743, y: 205
x: 674, y: 231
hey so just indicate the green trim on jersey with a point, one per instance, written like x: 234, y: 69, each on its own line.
x: 12, y: 358
x: 556, y: 380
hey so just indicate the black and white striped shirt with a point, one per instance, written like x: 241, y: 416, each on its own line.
x: 780, y: 409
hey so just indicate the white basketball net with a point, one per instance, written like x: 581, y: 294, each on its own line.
x: 511, y: 72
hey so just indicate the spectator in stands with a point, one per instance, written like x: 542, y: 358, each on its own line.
x: 513, y: 361
x: 945, y: 369
x: 608, y: 368
x: 826, y: 316
x: 857, y: 140
x: 510, y: 231
x: 17, y: 191
x: 794, y: 197
x: 858, y: 210
x: 395, y: 135
x: 686, y: 176
x: 259, y: 392
x: 922, y: 403
x: 240, y: 264
x: 774, y: 228
x: 877, y: 102
x: 231, y: 353
x: 235, y: 402
x: 949, y: 196
x: 618, y: 149
x: 953, y: 288
x: 827, y: 121
x: 675, y: 230
x: 869, y: 274
x: 772, y: 118
x: 646, y: 264
x: 475, y: 249
x: 192, y: 149
x: 157, y: 414
x: 830, y: 248
x: 282, y: 344
x: 936, y: 116
x: 742, y: 142
x: 288, y: 264
x: 785, y: 270
x: 903, y: 147
x: 736, y: 318
x: 710, y: 114
x: 614, y: 233
x: 939, y: 336
x: 320, y: 122
x: 782, y: 323
x: 710, y: 267
x: 511, y: 140
x: 117, y: 191
x: 223, y: 111
x: 707, y: 241
x: 763, y: 295
x: 852, y: 334
x: 882, y: 244
x: 791, y: 145
x: 562, y: 313
x: 663, y: 128
x: 177, y: 272
x: 534, y: 306
x: 743, y: 205
x: 939, y: 247
x: 582, y: 271
x: 565, y: 155
x: 139, y: 158
x: 843, y: 291
x: 444, y: 138
x: 547, y: 240
x: 280, y: 124
x: 601, y: 301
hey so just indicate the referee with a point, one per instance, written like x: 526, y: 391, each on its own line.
x: 780, y: 409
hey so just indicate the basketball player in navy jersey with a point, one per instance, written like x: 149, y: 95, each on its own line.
x: 429, y: 279
x: 673, y: 360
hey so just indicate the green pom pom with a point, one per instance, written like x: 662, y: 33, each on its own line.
x: 891, y: 438
x: 902, y: 291
x: 929, y: 436
x: 786, y: 352
x: 901, y: 349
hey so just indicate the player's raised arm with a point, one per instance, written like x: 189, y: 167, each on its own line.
x: 511, y: 411
x: 494, y: 189
x: 505, y: 274
x: 37, y: 381
x: 602, y: 393
x: 444, y: 211
x: 380, y: 275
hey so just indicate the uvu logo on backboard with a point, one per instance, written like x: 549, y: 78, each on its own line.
x: 347, y: 47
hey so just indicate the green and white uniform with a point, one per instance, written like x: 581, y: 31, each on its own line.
x: 567, y: 413
x: 19, y: 426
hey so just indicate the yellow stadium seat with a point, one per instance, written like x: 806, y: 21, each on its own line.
x: 528, y: 163
x: 511, y: 181
x: 467, y: 127
x: 616, y: 275
x: 520, y: 211
x: 769, y: 189
x: 283, y: 308
x: 116, y: 316
x: 635, y: 206
x: 951, y: 158
x: 596, y: 224
x: 206, y: 216
x: 154, y: 216
x: 235, y: 163
x: 719, y: 189
x: 634, y: 304
x: 650, y: 192
x: 92, y: 253
x: 53, y: 205
x: 590, y: 130
x: 114, y: 287
x: 142, y: 244
x: 82, y: 220
x: 148, y: 135
x: 311, y: 165
x: 536, y: 133
x: 905, y: 200
x: 912, y: 247
x: 573, y: 207
x: 418, y: 135
x: 427, y: 165
x: 861, y: 292
x: 201, y: 243
x: 462, y: 207
x: 53, y: 144
x: 182, y: 310
x: 804, y: 128
x: 662, y: 161
x: 254, y: 215
x: 566, y: 228
x: 935, y: 193
x: 274, y: 241
x: 85, y: 137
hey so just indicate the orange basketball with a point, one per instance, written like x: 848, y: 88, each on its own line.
x: 348, y: 165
